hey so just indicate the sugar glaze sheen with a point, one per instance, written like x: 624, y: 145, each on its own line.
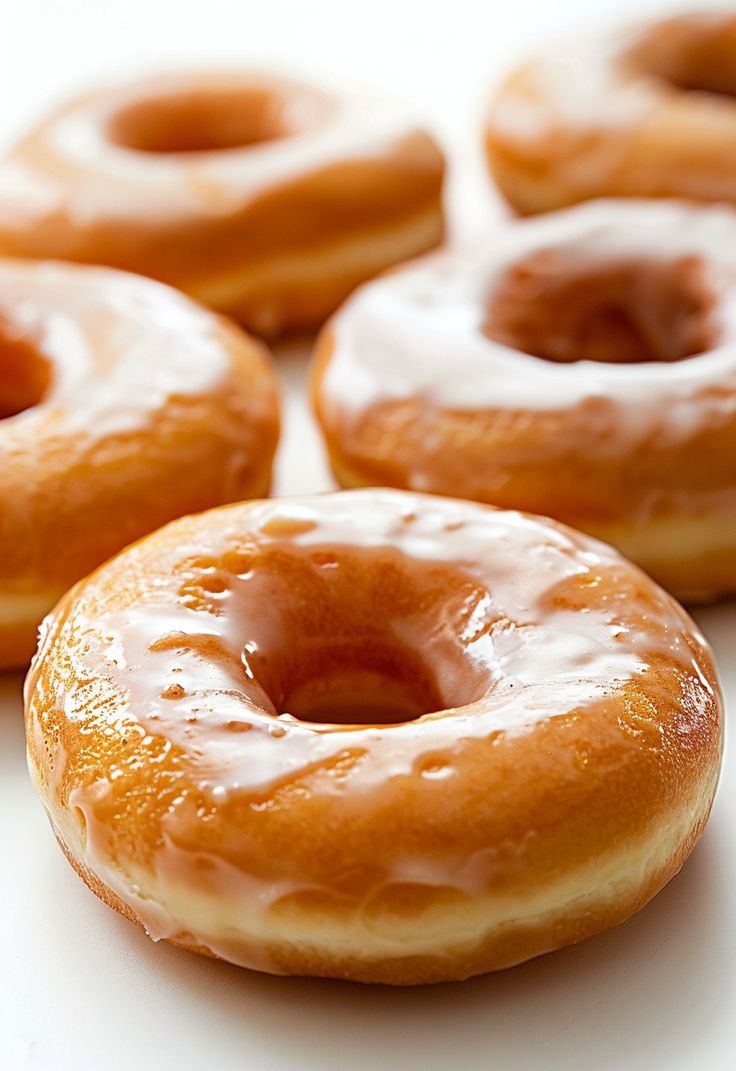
x: 373, y: 735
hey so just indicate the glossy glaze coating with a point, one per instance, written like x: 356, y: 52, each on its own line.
x: 373, y: 735
x: 122, y: 405
x: 265, y: 199
x: 641, y: 111
x: 557, y: 368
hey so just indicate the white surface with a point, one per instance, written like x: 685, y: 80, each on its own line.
x: 80, y: 988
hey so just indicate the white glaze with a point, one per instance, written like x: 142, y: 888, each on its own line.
x: 639, y: 110
x: 417, y: 333
x: 120, y: 348
x: 597, y: 82
x: 584, y: 78
x: 541, y: 661
x: 267, y: 199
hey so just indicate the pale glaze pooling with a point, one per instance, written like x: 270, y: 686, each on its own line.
x: 192, y: 639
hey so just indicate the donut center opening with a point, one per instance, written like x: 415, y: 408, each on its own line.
x: 25, y: 375
x: 208, y: 120
x: 627, y: 311
x: 695, y: 55
x: 357, y: 637
x: 372, y: 683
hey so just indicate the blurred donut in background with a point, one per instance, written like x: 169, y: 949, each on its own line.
x: 642, y: 111
x: 264, y: 199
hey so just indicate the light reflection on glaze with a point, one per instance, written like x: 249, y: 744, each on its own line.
x: 120, y: 346
x: 538, y: 661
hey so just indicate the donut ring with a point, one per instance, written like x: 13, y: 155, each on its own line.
x: 647, y: 111
x: 551, y: 371
x: 264, y: 199
x: 501, y: 737
x: 122, y: 406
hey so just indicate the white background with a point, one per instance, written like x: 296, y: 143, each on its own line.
x: 80, y: 988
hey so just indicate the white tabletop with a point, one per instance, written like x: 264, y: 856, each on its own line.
x: 81, y: 988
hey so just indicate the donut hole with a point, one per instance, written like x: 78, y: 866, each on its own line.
x: 25, y: 375
x: 340, y: 637
x: 372, y: 685
x: 618, y: 312
x: 692, y: 54
x: 209, y: 119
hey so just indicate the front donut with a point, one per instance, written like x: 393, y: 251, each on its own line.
x: 373, y: 735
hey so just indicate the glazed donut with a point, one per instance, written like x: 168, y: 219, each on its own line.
x: 554, y: 370
x: 373, y: 735
x: 264, y: 199
x: 122, y: 405
x: 646, y: 111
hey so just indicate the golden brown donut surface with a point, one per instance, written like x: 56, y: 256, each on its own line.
x: 580, y: 365
x: 265, y: 199
x: 122, y: 405
x: 640, y: 111
x: 373, y: 735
